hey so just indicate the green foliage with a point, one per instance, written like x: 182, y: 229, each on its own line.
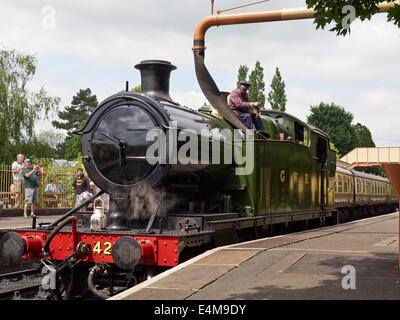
x: 335, y: 121
x: 345, y: 136
x: 73, y: 148
x: 364, y: 137
x: 82, y: 105
x: 329, y: 11
x: 257, y: 87
x: 74, y: 118
x: 242, y: 74
x: 394, y: 15
x: 277, y: 96
x: 62, y: 176
x: 332, y: 146
x: 19, y: 108
x: 137, y: 89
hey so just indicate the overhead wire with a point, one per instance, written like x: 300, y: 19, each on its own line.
x: 238, y: 7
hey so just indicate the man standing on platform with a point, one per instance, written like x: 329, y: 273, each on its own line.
x: 240, y: 105
x: 31, y: 186
x: 18, y: 178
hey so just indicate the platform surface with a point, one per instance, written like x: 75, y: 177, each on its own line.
x: 361, y: 256
x: 19, y: 221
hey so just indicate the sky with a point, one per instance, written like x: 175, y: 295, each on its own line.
x: 96, y: 44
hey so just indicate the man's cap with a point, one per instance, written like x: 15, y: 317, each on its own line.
x: 27, y: 160
x: 245, y: 84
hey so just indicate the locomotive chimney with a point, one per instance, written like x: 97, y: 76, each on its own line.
x: 155, y: 77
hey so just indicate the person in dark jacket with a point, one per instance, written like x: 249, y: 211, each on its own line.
x: 240, y: 105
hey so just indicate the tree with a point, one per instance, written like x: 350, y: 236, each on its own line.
x: 332, y: 146
x: 277, y: 96
x: 343, y: 12
x: 138, y: 88
x: 257, y: 85
x: 73, y: 148
x: 336, y: 122
x: 364, y: 137
x: 74, y: 117
x: 242, y: 73
x: 50, y: 137
x: 19, y: 108
x: 82, y: 105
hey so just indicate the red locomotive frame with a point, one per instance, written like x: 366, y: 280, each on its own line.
x: 155, y: 250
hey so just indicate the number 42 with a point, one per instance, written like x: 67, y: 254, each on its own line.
x: 107, y: 249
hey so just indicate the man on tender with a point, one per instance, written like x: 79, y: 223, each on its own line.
x: 240, y: 105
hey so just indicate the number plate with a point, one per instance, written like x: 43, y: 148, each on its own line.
x: 102, y: 248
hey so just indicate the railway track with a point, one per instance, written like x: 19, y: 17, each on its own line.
x: 21, y: 292
x: 19, y: 281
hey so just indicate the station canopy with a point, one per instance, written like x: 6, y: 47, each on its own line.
x: 386, y: 157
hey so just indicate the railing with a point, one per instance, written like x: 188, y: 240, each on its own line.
x: 64, y: 198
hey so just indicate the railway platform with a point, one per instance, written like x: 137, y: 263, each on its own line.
x: 13, y: 221
x: 350, y: 261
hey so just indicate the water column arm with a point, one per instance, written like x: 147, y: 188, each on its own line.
x: 206, y: 82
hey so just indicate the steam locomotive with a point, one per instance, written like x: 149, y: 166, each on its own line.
x: 180, y: 179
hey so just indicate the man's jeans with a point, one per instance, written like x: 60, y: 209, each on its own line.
x: 248, y: 119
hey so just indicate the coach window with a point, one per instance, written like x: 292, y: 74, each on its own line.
x: 336, y: 184
x: 345, y: 184
x: 340, y: 184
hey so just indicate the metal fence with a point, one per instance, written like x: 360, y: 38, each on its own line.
x: 62, y: 198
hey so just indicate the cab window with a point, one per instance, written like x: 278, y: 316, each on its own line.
x: 299, y: 133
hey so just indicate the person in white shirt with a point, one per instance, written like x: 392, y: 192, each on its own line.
x: 18, y: 178
x: 51, y: 187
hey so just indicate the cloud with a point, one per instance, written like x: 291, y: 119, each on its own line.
x: 96, y: 44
